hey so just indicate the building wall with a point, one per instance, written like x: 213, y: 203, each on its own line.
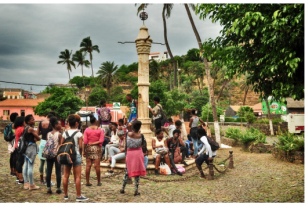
x: 295, y: 110
x: 28, y: 110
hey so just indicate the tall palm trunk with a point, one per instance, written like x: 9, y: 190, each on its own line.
x: 199, y: 86
x: 92, y: 73
x: 168, y: 48
x: 85, y: 89
x: 245, y: 96
x: 207, y: 70
x: 70, y: 82
x: 269, y: 116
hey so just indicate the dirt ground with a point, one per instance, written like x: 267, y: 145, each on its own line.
x: 255, y: 178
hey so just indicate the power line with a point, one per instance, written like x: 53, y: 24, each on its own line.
x: 22, y: 83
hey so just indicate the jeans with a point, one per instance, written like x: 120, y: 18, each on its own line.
x: 41, y: 165
x: 117, y: 157
x: 28, y: 171
x: 77, y: 162
x: 113, y: 151
x: 108, y: 147
x: 50, y: 163
x: 195, y: 143
x: 146, y: 161
x: 106, y: 141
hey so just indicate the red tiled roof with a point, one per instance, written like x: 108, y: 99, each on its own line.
x: 257, y: 106
x: 20, y: 102
x: 154, y: 53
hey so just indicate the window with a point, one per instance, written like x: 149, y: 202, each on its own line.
x: 22, y: 113
x: 6, y: 112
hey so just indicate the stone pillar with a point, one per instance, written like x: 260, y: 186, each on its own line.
x: 143, y: 44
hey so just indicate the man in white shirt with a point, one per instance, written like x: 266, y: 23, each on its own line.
x: 208, y: 155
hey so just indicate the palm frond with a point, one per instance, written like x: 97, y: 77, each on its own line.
x: 60, y: 62
x: 192, y: 6
x: 140, y: 8
x: 95, y: 48
x: 168, y: 8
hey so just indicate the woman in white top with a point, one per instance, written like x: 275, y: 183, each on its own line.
x: 208, y: 155
x: 159, y: 150
x: 193, y: 132
x: 114, y: 141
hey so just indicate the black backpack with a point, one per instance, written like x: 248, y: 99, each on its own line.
x: 66, y: 154
x: 22, y: 144
x: 163, y: 116
x: 8, y: 133
x: 214, y: 145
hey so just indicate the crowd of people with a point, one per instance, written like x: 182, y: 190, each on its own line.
x: 103, y: 141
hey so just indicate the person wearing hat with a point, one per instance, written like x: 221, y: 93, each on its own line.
x: 117, y: 153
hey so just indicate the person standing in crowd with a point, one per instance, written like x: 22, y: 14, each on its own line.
x: 133, y: 108
x: 134, y: 157
x: 117, y: 153
x: 11, y: 145
x: 114, y: 140
x: 104, y: 116
x: 77, y: 169
x: 171, y: 127
x: 107, y: 137
x: 19, y: 125
x: 43, y: 129
x: 93, y: 140
x: 31, y: 137
x: 156, y: 112
x: 56, y: 136
x: 159, y: 150
x: 208, y: 155
x: 145, y: 152
x: 193, y: 132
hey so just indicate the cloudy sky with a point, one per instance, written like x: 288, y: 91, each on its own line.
x: 33, y: 35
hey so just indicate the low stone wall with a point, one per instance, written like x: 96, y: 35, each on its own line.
x: 296, y: 157
x: 260, y: 148
x: 280, y: 126
x: 230, y: 142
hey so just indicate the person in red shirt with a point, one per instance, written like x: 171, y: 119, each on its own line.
x: 19, y: 125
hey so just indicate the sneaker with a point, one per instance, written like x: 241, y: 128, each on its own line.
x: 52, y: 183
x: 66, y: 197
x: 26, y: 185
x: 17, y: 179
x: 58, y: 191
x: 110, y: 173
x: 20, y: 182
x: 82, y: 198
x: 34, y: 187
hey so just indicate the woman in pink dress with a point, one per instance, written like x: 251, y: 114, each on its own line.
x: 135, y: 166
x: 93, y: 140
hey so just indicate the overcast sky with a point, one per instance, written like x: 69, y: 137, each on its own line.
x: 33, y: 35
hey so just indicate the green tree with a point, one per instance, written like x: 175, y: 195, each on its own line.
x: 62, y: 101
x: 117, y: 95
x: 254, y: 31
x: 107, y: 73
x: 206, y: 112
x: 65, y: 59
x: 192, y: 55
x: 154, y: 70
x: 96, y: 95
x: 86, y: 46
x: 79, y: 57
x: 78, y: 80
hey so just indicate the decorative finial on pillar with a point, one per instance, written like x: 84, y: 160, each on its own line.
x: 143, y: 15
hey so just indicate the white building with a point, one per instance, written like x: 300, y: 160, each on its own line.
x: 158, y: 56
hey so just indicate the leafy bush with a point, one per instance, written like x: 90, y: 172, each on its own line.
x: 233, y: 133
x: 276, y: 120
x: 231, y: 119
x: 260, y: 136
x: 250, y: 117
x: 291, y: 142
x: 262, y: 121
x: 247, y: 137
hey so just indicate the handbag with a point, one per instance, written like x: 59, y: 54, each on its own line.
x: 180, y: 169
x: 161, y: 150
x: 164, y: 169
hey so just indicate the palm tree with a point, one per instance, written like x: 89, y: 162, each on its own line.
x: 166, y: 12
x: 65, y: 59
x: 86, y: 46
x: 207, y: 70
x: 245, y: 87
x: 107, y: 72
x: 79, y: 57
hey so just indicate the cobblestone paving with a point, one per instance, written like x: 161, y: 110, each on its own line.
x: 255, y: 178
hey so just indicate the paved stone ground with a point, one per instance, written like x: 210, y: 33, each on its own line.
x: 255, y: 178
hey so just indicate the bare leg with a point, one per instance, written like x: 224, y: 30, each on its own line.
x: 88, y: 169
x: 97, y: 170
x: 77, y: 173
x: 67, y: 170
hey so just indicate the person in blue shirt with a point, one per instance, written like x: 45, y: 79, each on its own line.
x: 133, y: 108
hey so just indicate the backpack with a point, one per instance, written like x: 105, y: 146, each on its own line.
x: 214, y: 145
x: 66, y: 154
x: 8, y: 133
x: 104, y: 113
x: 22, y: 144
x: 163, y: 116
x: 49, y: 150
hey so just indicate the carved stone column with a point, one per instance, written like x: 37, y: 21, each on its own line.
x: 143, y: 45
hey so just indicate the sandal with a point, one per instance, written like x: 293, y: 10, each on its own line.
x: 136, y: 194
x: 122, y: 191
x: 49, y: 191
x: 202, y: 177
x: 99, y: 184
x: 88, y: 184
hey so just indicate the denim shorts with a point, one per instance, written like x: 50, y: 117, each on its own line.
x: 77, y: 162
